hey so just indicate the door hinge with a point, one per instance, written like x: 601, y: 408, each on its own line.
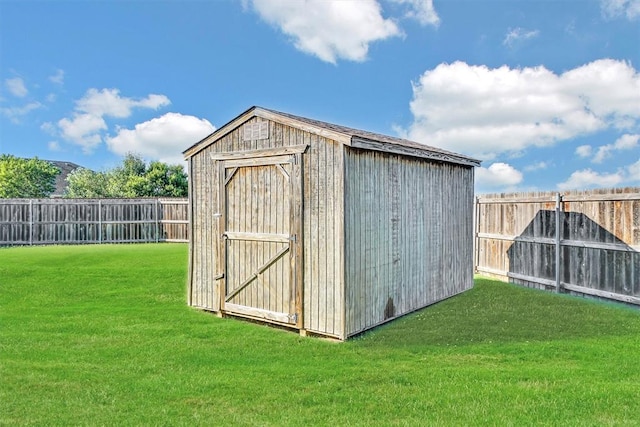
x: 293, y: 238
x: 293, y: 317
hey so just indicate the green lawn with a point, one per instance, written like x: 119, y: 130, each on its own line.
x: 101, y: 335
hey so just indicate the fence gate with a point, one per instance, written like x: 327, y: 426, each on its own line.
x: 261, y: 218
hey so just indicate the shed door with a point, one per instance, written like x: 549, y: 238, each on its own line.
x: 261, y: 231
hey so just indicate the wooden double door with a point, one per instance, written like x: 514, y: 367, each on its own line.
x: 261, y: 242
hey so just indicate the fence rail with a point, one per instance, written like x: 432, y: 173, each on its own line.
x: 79, y: 221
x: 584, y: 242
x: 579, y: 242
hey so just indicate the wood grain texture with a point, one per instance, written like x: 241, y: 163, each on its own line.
x: 599, y: 240
x: 407, y: 245
x: 258, y: 274
x: 381, y: 232
x: 81, y: 221
x: 321, y: 189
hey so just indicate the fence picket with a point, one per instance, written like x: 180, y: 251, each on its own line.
x: 563, y: 249
x: 70, y: 221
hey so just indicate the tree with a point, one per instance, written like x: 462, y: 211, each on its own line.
x: 127, y: 179
x: 85, y: 183
x: 26, y: 178
x: 133, y: 178
x: 162, y: 180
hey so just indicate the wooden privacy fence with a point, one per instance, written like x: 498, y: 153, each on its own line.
x: 78, y: 221
x: 584, y: 242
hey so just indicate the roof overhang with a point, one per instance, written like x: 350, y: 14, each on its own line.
x: 267, y: 115
x: 412, y: 150
x: 346, y: 136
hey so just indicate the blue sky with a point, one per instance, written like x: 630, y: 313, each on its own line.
x: 546, y: 94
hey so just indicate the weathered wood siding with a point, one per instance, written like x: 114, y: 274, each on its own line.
x: 596, y: 251
x: 499, y: 223
x: 174, y: 219
x: 409, y: 235
x: 204, y: 246
x: 79, y: 221
x: 322, y: 223
x: 323, y: 233
x: 259, y: 201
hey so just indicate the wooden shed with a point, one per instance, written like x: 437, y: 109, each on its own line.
x: 322, y: 228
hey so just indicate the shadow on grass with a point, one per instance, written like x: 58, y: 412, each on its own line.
x: 494, y: 312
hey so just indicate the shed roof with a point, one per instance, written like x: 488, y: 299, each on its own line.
x: 348, y: 136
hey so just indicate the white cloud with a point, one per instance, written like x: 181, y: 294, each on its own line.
x: 163, y: 138
x: 58, y: 77
x: 86, y: 124
x: 634, y: 172
x: 607, y: 88
x: 536, y: 166
x: 602, y: 153
x: 616, y: 8
x: 54, y: 146
x: 16, y: 87
x: 15, y: 114
x: 329, y: 29
x: 587, y: 178
x: 625, y: 142
x: 484, y: 112
x: 421, y: 10
x: 497, y: 175
x: 83, y: 130
x: 584, y: 151
x: 108, y: 102
x: 49, y: 128
x: 515, y: 35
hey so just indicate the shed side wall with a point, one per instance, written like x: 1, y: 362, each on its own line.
x: 408, y: 235
x: 203, y: 291
x: 322, y: 224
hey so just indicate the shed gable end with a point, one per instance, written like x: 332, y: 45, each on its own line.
x: 322, y: 219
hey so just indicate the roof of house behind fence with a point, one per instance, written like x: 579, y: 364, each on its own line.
x: 348, y: 136
x: 66, y: 168
x: 61, y: 184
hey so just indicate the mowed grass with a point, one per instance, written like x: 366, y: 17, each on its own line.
x: 102, y: 335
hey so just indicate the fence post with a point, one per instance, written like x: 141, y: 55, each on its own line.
x: 99, y: 221
x: 30, y: 222
x: 557, y: 240
x: 157, y: 224
x: 476, y: 239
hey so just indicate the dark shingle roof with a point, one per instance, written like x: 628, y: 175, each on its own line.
x: 371, y: 136
x: 61, y: 180
x: 350, y: 136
